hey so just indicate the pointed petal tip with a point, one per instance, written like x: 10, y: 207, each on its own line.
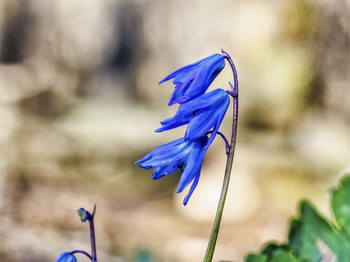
x: 141, y: 161
x: 171, y: 102
x: 167, y: 78
x: 143, y: 165
x: 157, y: 176
x: 187, y: 197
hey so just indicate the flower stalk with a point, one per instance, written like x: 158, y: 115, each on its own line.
x: 92, y: 236
x: 229, y: 162
x: 70, y: 256
x: 203, y: 113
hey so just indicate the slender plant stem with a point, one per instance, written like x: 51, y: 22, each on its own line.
x: 229, y: 162
x: 227, y: 145
x: 82, y: 252
x: 92, y: 236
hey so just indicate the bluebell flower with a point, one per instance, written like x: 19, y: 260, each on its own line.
x: 66, y: 257
x: 193, y: 80
x: 186, y: 156
x: 202, y: 114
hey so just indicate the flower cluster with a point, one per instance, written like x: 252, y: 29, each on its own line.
x: 202, y: 113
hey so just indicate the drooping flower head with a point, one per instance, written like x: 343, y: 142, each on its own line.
x: 202, y: 114
x: 193, y: 80
x: 186, y: 156
x: 66, y: 257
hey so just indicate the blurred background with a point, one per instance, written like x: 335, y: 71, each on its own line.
x: 80, y: 100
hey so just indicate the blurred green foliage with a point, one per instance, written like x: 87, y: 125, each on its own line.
x: 144, y: 256
x: 312, y: 237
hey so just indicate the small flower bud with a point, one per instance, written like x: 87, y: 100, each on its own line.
x: 66, y: 257
x: 84, y: 215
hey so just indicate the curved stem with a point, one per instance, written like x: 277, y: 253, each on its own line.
x: 227, y: 145
x: 234, y: 71
x: 82, y: 252
x: 226, y: 142
x: 229, y: 162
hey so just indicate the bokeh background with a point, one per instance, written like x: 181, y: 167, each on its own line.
x: 80, y: 100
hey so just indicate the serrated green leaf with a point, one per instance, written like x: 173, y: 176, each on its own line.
x: 341, y: 204
x: 274, y: 253
x: 312, y: 237
x: 270, y: 248
x: 282, y: 255
x: 304, y: 232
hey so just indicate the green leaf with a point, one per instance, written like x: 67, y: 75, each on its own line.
x: 255, y: 258
x: 144, y: 256
x: 282, y: 255
x: 273, y: 253
x: 341, y: 204
x: 270, y: 248
x: 312, y: 237
x: 304, y: 232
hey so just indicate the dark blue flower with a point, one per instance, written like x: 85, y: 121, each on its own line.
x: 180, y: 154
x: 202, y: 114
x: 193, y: 80
x: 66, y: 257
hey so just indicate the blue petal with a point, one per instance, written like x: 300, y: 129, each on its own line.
x: 179, y: 96
x: 201, y: 124
x: 162, y: 151
x: 161, y: 171
x: 188, y: 158
x: 186, y: 68
x: 204, y: 102
x: 66, y: 257
x: 219, y: 119
x: 186, y: 76
x: 173, y: 156
x: 193, y: 164
x: 187, y: 111
x: 206, y: 75
x: 167, y: 158
x: 193, y: 187
x: 178, y: 120
x: 193, y: 80
x: 202, y: 113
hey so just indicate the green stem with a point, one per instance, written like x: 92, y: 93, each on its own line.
x: 229, y: 162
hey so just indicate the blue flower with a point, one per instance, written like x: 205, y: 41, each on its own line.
x: 202, y: 114
x: 193, y: 80
x: 66, y: 257
x: 180, y: 154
